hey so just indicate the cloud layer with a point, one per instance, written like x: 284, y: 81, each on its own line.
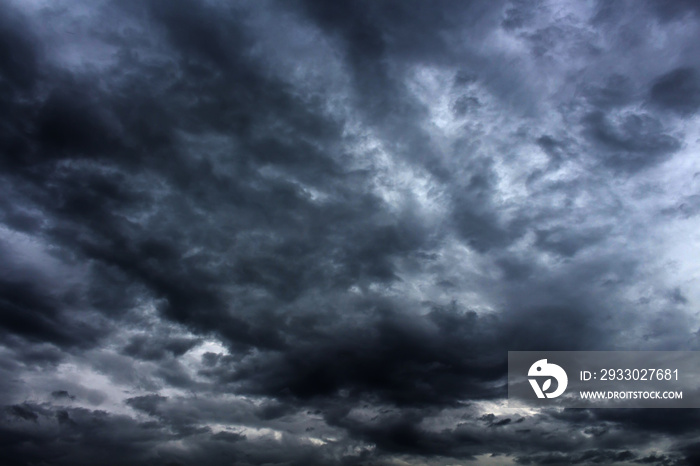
x: 309, y: 232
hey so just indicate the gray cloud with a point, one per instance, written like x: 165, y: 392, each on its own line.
x: 677, y: 90
x: 309, y: 232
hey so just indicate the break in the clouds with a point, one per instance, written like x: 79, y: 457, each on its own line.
x: 308, y: 232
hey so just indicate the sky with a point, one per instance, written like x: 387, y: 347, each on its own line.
x: 309, y: 232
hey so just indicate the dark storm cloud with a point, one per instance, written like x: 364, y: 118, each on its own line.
x: 25, y: 313
x: 674, y: 10
x: 631, y: 142
x: 410, y: 31
x: 587, y: 457
x: 20, y: 53
x: 309, y: 232
x: 148, y: 403
x: 567, y: 243
x: 657, y: 420
x: 145, y: 347
x: 417, y: 362
x: 677, y: 90
x: 62, y: 394
x: 617, y: 90
x: 23, y: 412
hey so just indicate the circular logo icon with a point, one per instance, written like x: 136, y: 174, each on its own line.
x: 542, y: 369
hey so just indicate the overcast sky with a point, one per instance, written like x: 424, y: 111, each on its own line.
x: 308, y: 232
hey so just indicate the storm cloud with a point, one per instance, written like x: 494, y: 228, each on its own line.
x: 308, y: 232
